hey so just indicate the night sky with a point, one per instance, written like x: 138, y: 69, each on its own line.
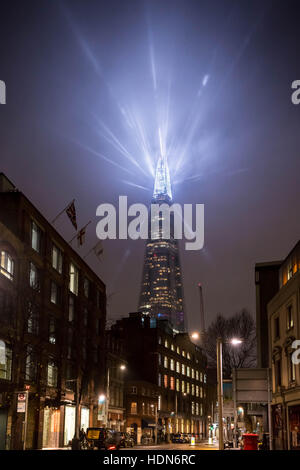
x: 90, y: 82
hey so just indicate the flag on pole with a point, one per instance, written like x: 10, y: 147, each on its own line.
x: 71, y: 213
x: 98, y: 249
x: 81, y: 236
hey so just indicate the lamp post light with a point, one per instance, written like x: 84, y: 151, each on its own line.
x: 234, y: 342
x: 121, y: 367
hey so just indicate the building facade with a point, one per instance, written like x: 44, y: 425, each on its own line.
x: 52, y: 327
x: 175, y: 367
x: 284, y: 329
x: 161, y: 293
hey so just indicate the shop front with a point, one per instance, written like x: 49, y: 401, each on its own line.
x: 69, y: 425
x: 84, y: 418
x: 294, y: 427
x: 51, y: 427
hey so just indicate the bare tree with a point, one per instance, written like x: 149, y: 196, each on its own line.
x: 241, y: 326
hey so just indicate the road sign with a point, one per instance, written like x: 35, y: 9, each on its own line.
x: 21, y: 403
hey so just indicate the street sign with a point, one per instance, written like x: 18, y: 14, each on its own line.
x: 251, y: 385
x: 21, y: 403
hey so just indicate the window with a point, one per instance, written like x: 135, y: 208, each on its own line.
x: 290, y: 320
x: 276, y: 328
x: 193, y: 389
x: 177, y: 385
x: 5, y: 361
x: 34, y: 280
x: 143, y: 408
x: 30, y: 364
x: 57, y: 259
x: 166, y: 343
x: 172, y: 347
x: 178, y: 367
x: 178, y: 350
x: 205, y: 378
x: 197, y: 375
x: 292, y: 369
x: 159, y: 380
x: 182, y: 386
x: 166, y: 381
x: 52, y: 330
x: 193, y: 407
x: 193, y: 373
x: 86, y: 287
x: 73, y: 279
x: 133, y: 390
x: 278, y: 373
x: 55, y: 293
x: 201, y: 409
x: 188, y: 355
x: 197, y: 408
x: 36, y: 236
x: 183, y: 369
x: 33, y: 319
x: 188, y: 371
x: 7, y: 265
x: 52, y: 374
x: 172, y: 364
x: 159, y: 403
x: 165, y: 362
x: 159, y: 359
x: 197, y: 390
x: 183, y: 353
x: 85, y: 316
x: 172, y: 383
x: 71, y: 308
x: 133, y: 408
x: 201, y: 392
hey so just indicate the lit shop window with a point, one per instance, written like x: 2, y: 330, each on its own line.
x: 57, y: 259
x: 36, y: 237
x: 73, y: 279
x: 7, y: 265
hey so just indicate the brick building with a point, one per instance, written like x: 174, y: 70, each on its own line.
x: 176, y: 369
x: 52, y: 327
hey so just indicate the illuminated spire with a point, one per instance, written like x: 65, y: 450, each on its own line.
x: 162, y: 185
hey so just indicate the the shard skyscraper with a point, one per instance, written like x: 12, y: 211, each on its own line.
x: 161, y: 294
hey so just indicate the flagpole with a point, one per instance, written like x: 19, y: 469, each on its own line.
x: 92, y: 249
x: 79, y: 231
x: 58, y: 215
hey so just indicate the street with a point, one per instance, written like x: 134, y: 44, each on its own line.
x: 199, y: 446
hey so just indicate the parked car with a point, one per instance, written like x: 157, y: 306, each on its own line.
x: 186, y: 438
x: 102, y: 438
x: 177, y: 438
x: 126, y: 440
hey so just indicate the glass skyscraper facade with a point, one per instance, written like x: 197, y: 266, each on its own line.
x: 161, y: 294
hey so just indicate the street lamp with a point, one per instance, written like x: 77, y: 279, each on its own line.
x: 121, y: 367
x: 234, y: 342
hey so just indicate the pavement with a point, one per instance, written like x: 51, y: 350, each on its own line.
x: 198, y: 446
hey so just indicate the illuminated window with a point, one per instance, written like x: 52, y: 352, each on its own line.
x: 52, y: 374
x: 166, y: 343
x: 165, y: 362
x: 133, y: 408
x: 187, y: 387
x: 183, y: 353
x: 178, y: 350
x: 172, y: 347
x: 188, y: 371
x: 193, y: 407
x: 197, y: 408
x: 178, y: 367
x: 197, y: 390
x: 182, y: 386
x: 290, y: 319
x: 74, y: 274
x: 56, y: 259
x: 159, y: 380
x: 183, y: 369
x: 177, y: 385
x: 201, y: 392
x: 6, y: 360
x: 188, y: 355
x: 193, y: 373
x: 172, y: 364
x: 172, y: 383
x: 165, y: 381
x: 36, y: 236
x: 34, y: 280
x: 7, y: 265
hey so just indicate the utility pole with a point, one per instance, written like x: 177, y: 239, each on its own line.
x: 220, y: 391
x: 26, y: 418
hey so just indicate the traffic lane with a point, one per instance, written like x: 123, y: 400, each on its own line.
x: 200, y: 446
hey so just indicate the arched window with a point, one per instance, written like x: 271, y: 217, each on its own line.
x: 7, y: 265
